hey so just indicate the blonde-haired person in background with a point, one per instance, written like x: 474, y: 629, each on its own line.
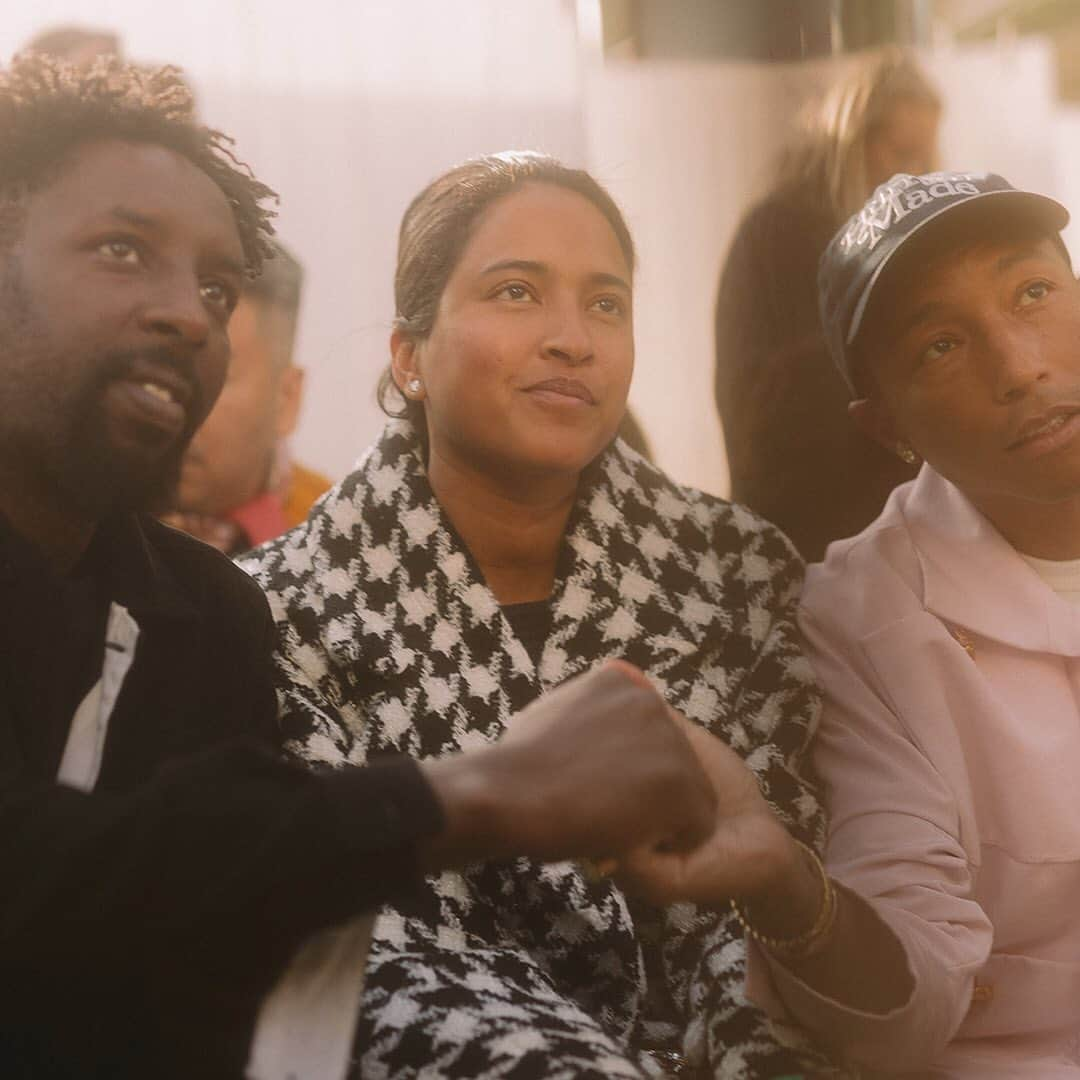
x: 794, y: 455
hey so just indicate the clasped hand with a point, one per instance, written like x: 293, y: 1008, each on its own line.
x: 601, y: 768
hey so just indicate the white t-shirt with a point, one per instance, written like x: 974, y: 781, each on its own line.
x: 1063, y: 577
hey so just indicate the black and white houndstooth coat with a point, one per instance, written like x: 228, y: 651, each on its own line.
x: 391, y: 641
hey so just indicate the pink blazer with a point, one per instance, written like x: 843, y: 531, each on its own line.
x: 949, y: 749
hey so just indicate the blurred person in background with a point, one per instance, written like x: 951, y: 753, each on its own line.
x: 77, y: 45
x: 795, y: 457
x: 496, y: 540
x: 239, y: 485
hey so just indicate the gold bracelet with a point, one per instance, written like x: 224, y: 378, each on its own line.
x: 811, y: 941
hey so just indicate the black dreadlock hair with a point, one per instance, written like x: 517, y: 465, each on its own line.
x: 48, y: 108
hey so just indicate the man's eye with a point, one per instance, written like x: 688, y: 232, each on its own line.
x: 937, y: 349
x: 1037, y: 290
x: 219, y: 294
x: 119, y: 250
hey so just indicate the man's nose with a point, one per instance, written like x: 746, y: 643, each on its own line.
x: 1018, y: 362
x: 177, y: 311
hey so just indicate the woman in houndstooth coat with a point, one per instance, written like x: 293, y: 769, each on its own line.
x: 494, y: 542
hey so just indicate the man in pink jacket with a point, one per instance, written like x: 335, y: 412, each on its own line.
x: 944, y: 939
x: 947, y: 634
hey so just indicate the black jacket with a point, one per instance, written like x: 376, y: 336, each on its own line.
x: 141, y: 924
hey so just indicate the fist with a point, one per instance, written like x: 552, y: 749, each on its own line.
x: 598, y: 767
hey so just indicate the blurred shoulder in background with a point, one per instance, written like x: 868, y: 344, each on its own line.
x: 794, y: 455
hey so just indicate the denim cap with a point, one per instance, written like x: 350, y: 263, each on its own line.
x: 900, y: 209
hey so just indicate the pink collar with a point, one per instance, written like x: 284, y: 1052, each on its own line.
x: 974, y: 578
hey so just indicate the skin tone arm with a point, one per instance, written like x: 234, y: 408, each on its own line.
x: 548, y: 788
x: 750, y: 855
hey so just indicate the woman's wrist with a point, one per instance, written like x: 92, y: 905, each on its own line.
x: 792, y: 903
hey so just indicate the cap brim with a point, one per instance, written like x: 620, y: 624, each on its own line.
x: 1043, y: 208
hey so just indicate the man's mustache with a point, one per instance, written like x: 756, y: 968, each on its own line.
x: 173, y: 364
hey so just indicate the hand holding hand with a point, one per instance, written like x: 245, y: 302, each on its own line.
x: 748, y: 852
x: 596, y: 767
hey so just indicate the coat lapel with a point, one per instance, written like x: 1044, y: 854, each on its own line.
x: 408, y: 620
x: 973, y: 578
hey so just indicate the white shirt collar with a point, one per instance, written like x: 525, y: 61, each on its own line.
x: 973, y: 577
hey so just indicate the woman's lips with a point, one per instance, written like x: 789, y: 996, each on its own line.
x: 562, y: 391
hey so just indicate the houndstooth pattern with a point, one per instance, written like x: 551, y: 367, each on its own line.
x: 391, y: 641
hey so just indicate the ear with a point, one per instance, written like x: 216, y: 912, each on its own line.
x: 876, y: 422
x: 404, y: 359
x: 290, y: 393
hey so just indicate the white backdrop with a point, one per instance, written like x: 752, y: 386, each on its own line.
x: 348, y: 108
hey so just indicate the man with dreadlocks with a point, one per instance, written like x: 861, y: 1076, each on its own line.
x: 160, y: 865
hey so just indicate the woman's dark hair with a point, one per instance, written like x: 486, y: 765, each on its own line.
x: 437, y: 226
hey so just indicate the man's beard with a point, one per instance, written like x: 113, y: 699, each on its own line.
x: 54, y: 430
x: 102, y: 477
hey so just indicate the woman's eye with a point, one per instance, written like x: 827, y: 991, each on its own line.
x: 119, y: 250
x: 937, y: 349
x: 609, y: 305
x: 1037, y: 290
x: 513, y: 291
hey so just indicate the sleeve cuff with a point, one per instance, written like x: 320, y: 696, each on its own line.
x: 904, y: 1037
x: 382, y: 811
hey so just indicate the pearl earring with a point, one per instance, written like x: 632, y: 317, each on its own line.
x: 906, y: 454
x: 414, y: 386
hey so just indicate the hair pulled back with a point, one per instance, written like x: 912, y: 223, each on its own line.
x: 437, y: 226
